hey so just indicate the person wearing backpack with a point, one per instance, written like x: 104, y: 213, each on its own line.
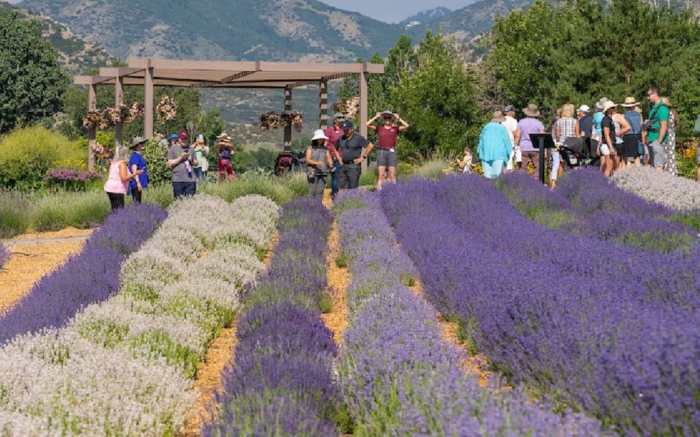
x: 656, y: 129
x: 632, y: 140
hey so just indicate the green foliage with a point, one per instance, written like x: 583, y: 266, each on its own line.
x: 254, y: 160
x: 14, y: 213
x: 431, y: 169
x: 60, y: 210
x: 32, y: 80
x: 590, y: 49
x: 280, y: 189
x: 27, y: 154
x: 156, y: 157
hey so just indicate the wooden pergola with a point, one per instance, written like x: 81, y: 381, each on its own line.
x: 150, y: 73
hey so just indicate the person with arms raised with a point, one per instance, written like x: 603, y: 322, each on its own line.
x: 387, y: 136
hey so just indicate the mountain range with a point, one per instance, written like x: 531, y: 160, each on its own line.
x: 287, y: 30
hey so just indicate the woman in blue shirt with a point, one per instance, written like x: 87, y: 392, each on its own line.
x: 138, y: 163
x: 495, y: 147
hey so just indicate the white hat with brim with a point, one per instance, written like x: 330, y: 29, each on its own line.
x: 608, y: 106
x: 584, y: 108
x: 319, y: 135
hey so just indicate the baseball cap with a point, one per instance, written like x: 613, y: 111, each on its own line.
x: 347, y: 124
x: 509, y: 108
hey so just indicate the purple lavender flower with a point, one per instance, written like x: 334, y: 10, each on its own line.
x: 397, y: 375
x: 280, y: 382
x: 609, y: 329
x: 91, y: 276
x: 4, y: 255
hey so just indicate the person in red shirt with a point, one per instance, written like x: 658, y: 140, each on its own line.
x: 334, y: 134
x: 387, y: 135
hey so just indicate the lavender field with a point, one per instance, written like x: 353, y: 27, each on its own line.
x: 583, y: 305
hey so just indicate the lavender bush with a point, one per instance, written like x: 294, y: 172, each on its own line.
x: 125, y: 366
x: 4, y: 255
x: 598, y: 326
x: 397, y: 376
x: 89, y: 277
x: 660, y: 187
x: 586, y: 203
x: 280, y: 382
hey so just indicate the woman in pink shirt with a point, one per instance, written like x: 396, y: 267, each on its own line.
x: 119, y: 177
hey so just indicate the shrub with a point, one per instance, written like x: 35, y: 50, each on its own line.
x: 14, y: 213
x: 156, y: 155
x: 4, y: 255
x: 60, y: 210
x: 26, y: 155
x: 69, y: 179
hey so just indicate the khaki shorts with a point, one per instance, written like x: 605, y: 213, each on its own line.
x: 387, y: 158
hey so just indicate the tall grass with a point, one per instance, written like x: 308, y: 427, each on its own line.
x: 51, y: 211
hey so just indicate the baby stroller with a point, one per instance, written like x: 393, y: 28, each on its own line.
x: 579, y: 152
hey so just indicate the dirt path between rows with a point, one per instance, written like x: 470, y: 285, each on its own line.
x: 33, y: 256
x: 338, y: 282
x: 209, y: 380
x: 475, y: 364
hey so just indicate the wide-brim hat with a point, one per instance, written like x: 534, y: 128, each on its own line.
x: 608, y: 106
x: 319, y: 135
x: 137, y: 142
x: 630, y: 102
x: 223, y: 135
x: 584, y: 108
x: 532, y: 110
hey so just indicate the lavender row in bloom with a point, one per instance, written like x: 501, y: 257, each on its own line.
x: 124, y: 367
x: 4, y: 255
x: 397, y: 376
x: 586, y: 203
x: 89, y: 277
x: 280, y: 382
x: 602, y: 327
x: 660, y: 187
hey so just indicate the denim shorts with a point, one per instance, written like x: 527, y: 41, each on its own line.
x: 658, y: 154
x: 387, y: 158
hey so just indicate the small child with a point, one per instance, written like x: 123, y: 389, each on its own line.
x: 466, y: 163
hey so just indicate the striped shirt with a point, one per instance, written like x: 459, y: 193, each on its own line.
x: 566, y: 128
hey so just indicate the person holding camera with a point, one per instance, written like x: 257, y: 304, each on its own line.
x: 182, y: 162
x: 318, y: 164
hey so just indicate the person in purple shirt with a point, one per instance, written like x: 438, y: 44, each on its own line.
x: 530, y: 125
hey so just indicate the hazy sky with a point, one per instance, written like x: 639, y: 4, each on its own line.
x: 394, y: 10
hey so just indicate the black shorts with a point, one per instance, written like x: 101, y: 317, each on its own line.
x: 629, y: 147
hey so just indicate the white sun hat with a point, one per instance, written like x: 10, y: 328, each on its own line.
x: 319, y: 135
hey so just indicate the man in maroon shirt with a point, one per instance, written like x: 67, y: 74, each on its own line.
x: 387, y: 135
x: 334, y: 134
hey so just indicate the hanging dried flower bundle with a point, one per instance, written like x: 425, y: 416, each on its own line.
x: 350, y: 107
x: 135, y: 111
x: 166, y: 109
x: 92, y: 120
x: 271, y: 120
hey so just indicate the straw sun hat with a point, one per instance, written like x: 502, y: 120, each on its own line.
x: 630, y: 102
x: 608, y: 106
x: 532, y: 110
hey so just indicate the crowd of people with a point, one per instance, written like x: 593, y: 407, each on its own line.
x: 337, y: 153
x: 614, y: 138
x: 188, y: 162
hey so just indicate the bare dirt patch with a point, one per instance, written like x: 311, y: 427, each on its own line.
x: 32, y: 257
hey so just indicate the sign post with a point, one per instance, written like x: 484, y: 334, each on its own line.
x: 542, y: 142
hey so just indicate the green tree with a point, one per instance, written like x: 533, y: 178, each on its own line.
x: 589, y: 49
x: 438, y: 99
x: 32, y: 80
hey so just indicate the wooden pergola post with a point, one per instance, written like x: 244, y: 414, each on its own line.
x: 287, y: 108
x: 323, y: 103
x: 148, y: 103
x: 364, y: 92
x: 92, y: 132
x: 118, y: 102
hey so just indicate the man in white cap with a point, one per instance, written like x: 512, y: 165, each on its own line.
x: 387, y: 136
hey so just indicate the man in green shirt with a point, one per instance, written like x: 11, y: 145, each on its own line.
x: 657, y: 129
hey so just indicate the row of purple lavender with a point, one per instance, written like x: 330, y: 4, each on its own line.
x: 397, y: 375
x: 90, y: 277
x: 280, y: 382
x: 598, y: 326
